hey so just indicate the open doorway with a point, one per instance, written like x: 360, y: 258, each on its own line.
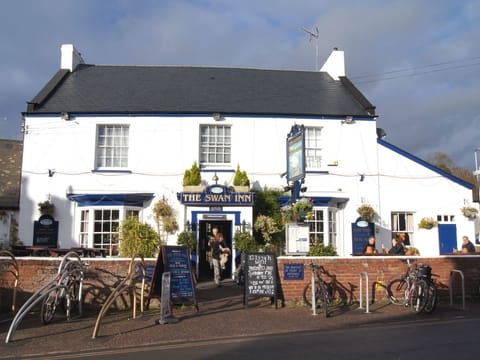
x: 204, y: 232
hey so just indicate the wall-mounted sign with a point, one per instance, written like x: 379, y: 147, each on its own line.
x: 45, y: 232
x: 217, y: 195
x: 297, y: 239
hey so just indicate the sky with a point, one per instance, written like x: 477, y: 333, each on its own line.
x: 417, y: 61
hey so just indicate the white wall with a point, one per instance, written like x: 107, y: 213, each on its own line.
x: 161, y: 148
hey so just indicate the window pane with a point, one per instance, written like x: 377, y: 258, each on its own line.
x: 215, y: 144
x: 112, y: 146
x: 313, y: 147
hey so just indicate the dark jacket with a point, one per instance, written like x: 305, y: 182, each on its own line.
x: 217, y: 248
x: 397, y: 250
x: 469, y: 246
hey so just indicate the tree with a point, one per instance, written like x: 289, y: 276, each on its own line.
x: 445, y: 163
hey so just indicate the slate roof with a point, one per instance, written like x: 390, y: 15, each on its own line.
x: 97, y: 89
x: 10, y: 173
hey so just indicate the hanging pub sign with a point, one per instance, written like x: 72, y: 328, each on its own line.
x: 296, y: 153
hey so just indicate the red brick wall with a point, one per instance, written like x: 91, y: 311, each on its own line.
x: 380, y: 269
x: 103, y: 275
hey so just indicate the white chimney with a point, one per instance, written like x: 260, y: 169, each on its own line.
x: 71, y: 58
x: 335, y: 64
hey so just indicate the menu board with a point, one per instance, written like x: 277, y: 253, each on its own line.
x: 176, y: 261
x: 45, y: 232
x: 260, y: 276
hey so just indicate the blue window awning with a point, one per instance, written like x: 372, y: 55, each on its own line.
x: 135, y: 199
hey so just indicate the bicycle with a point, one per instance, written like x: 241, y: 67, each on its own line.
x: 411, y: 290
x: 66, y: 292
x: 327, y: 293
x: 425, y: 272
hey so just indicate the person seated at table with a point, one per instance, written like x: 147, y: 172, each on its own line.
x: 467, y: 246
x: 370, y: 248
x: 397, y: 248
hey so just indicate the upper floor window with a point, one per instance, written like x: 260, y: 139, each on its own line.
x: 112, y: 146
x: 313, y: 149
x: 215, y: 144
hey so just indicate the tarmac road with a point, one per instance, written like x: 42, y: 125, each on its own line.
x: 223, y: 319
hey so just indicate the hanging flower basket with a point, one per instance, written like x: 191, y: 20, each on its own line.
x: 427, y: 223
x: 470, y: 213
x: 366, y: 212
x: 302, y: 209
x: 46, y: 207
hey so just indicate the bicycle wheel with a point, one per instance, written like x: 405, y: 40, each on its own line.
x: 49, y: 305
x: 323, y: 298
x: 419, y: 296
x: 71, y: 302
x: 432, y: 298
x: 396, y: 291
x: 336, y: 295
x: 319, y: 295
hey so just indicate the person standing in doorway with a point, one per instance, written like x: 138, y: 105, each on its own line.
x: 219, y: 249
x: 211, y: 240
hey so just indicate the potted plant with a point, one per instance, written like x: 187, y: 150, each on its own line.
x: 241, y: 182
x: 412, y: 251
x: 192, y: 179
x: 470, y: 213
x: 302, y: 209
x: 244, y: 242
x: 366, y: 212
x: 427, y: 223
x: 187, y: 239
x: 164, y: 216
x: 266, y: 226
x: 46, y: 207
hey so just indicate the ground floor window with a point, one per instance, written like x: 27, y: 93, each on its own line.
x: 402, y: 226
x: 323, y: 227
x: 99, y: 227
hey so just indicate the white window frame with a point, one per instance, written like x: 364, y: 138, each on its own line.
x: 88, y: 231
x: 215, y: 145
x: 112, y: 146
x: 313, y: 147
x: 408, y: 223
x: 324, y: 226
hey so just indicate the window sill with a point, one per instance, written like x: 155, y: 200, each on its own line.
x: 112, y: 171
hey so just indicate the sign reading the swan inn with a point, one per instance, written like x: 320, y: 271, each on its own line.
x: 217, y: 195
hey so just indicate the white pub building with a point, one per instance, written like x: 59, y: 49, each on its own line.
x: 102, y: 142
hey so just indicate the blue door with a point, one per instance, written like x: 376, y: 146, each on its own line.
x: 447, y: 236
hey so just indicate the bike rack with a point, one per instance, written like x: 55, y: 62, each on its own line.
x: 452, y: 273
x: 314, y: 302
x: 10, y: 265
x: 362, y: 274
x: 129, y: 283
x: 64, y: 271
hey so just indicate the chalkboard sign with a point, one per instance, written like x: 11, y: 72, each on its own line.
x: 361, y: 231
x: 45, y: 232
x: 260, y: 276
x: 293, y: 271
x: 176, y: 261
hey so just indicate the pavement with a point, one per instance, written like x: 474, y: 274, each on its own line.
x: 221, y: 316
